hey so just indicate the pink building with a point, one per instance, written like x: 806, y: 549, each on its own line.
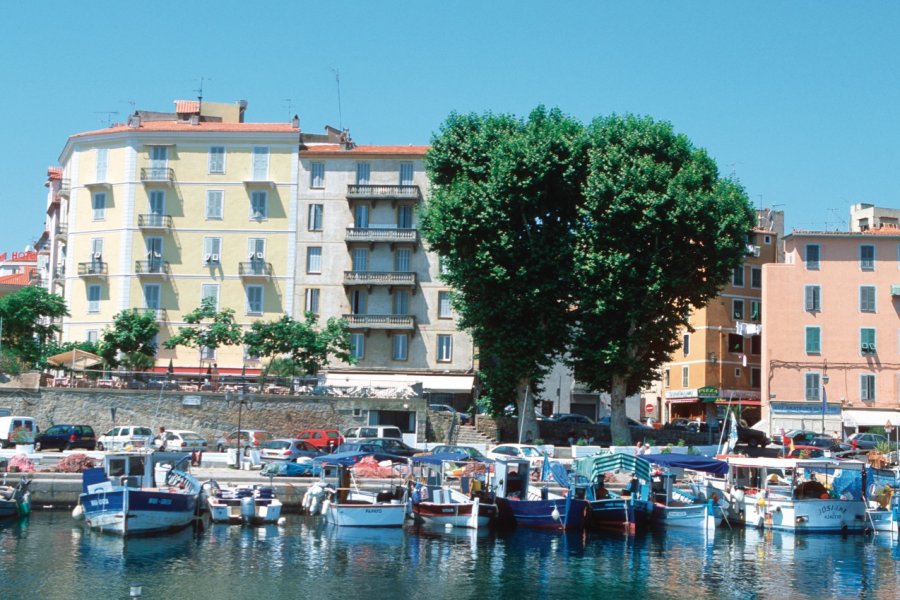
x: 831, y: 313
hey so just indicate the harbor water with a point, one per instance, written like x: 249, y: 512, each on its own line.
x: 50, y: 556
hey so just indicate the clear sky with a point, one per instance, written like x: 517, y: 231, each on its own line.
x: 798, y: 99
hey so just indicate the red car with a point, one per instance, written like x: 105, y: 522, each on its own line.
x: 325, y: 440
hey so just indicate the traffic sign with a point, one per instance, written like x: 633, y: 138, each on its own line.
x: 888, y: 427
x: 649, y: 408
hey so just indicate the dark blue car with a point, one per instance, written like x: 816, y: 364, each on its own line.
x: 66, y: 437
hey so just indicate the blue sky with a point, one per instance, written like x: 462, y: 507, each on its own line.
x: 799, y: 99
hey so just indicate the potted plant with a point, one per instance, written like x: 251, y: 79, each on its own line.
x: 23, y: 438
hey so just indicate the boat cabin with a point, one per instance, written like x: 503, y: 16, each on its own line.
x: 134, y: 470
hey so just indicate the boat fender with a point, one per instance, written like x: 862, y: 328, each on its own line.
x: 78, y: 512
x: 738, y: 495
x: 325, y: 506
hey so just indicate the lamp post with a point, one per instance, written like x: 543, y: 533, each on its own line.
x: 824, y: 400
x: 241, y: 403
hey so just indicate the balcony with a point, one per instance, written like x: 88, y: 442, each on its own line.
x: 383, y: 192
x: 65, y: 188
x: 161, y: 314
x: 62, y: 230
x: 383, y: 322
x: 155, y: 222
x: 157, y: 175
x: 372, y: 235
x: 255, y: 269
x: 388, y: 278
x: 95, y: 268
x: 152, y: 268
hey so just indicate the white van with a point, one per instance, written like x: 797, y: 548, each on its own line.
x: 8, y: 426
x: 355, y: 434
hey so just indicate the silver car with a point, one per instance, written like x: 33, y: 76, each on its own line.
x: 180, y: 440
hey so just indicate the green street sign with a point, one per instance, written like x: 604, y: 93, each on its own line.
x: 708, y: 393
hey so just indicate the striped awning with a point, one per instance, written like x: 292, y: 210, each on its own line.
x: 596, y: 464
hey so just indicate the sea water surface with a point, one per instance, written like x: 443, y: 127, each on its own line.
x: 50, y: 556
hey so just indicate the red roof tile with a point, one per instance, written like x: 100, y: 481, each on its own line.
x: 54, y: 172
x: 204, y: 126
x: 187, y: 106
x: 22, y: 278
x: 336, y: 149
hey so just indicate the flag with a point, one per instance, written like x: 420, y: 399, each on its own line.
x: 732, y: 434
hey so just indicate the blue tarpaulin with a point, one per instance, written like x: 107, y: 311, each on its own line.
x: 688, y: 461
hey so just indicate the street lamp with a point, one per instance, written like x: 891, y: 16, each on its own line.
x: 824, y: 399
x: 241, y: 403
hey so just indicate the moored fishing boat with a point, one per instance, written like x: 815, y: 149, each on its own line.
x: 607, y: 508
x: 15, y: 500
x: 524, y: 505
x: 139, y: 493
x: 674, y: 507
x: 434, y: 502
x: 243, y: 504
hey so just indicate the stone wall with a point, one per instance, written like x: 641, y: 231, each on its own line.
x: 215, y: 413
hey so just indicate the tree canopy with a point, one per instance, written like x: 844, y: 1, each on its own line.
x: 308, y: 347
x: 130, y: 341
x: 30, y: 318
x: 220, y: 330
x: 589, y: 242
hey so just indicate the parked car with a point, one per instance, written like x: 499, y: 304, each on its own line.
x: 393, y: 446
x: 12, y: 427
x: 288, y: 449
x: 808, y: 452
x: 636, y: 427
x: 463, y: 451
x: 447, y: 409
x: 323, y: 439
x: 752, y: 437
x: 571, y: 418
x: 355, y: 434
x: 127, y: 435
x: 66, y: 437
x: 250, y: 438
x: 508, y: 451
x: 682, y: 424
x: 812, y: 438
x: 866, y: 441
x: 357, y: 447
x: 180, y: 440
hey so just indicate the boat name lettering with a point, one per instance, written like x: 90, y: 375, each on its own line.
x: 99, y: 502
x: 162, y: 501
x: 832, y: 511
x: 678, y: 514
x: 373, y: 510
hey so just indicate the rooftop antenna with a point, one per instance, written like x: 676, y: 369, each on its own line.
x: 337, y: 79
x: 733, y: 166
x: 200, y: 92
x: 834, y: 217
x: 289, y: 102
x: 109, y: 115
x: 130, y: 103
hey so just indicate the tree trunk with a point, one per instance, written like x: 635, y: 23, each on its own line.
x: 618, y: 425
x: 528, y: 428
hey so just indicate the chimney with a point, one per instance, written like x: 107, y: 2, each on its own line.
x: 195, y: 119
x: 295, y: 122
x: 242, y: 105
x: 134, y: 121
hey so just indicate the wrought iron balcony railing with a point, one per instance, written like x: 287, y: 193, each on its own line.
x: 357, y: 191
x: 402, y: 322
x: 377, y: 234
x: 255, y: 268
x: 400, y: 278
x: 154, y: 266
x: 155, y: 221
x: 157, y: 174
x: 95, y: 268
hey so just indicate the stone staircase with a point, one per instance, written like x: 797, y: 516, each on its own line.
x: 468, y: 435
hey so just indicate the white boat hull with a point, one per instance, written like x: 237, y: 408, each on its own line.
x: 803, y: 515
x: 366, y: 515
x: 263, y: 514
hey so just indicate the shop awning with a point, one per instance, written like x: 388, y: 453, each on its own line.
x: 77, y: 360
x: 452, y: 384
x: 870, y: 418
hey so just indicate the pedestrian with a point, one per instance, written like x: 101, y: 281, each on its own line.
x: 160, y: 441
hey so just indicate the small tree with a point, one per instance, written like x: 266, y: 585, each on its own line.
x: 130, y: 340
x: 221, y: 330
x: 307, y: 347
x: 29, y: 322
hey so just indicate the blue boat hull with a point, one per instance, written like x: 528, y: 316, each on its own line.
x: 148, y: 511
x: 616, y: 512
x: 538, y: 514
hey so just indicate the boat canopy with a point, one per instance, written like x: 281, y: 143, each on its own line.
x: 688, y: 461
x: 453, y: 457
x: 596, y: 464
x: 348, y: 459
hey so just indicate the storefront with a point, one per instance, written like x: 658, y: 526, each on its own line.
x: 808, y: 416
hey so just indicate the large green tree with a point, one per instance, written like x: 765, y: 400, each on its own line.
x: 30, y: 318
x: 130, y: 340
x: 503, y: 203
x: 306, y: 346
x: 207, y: 328
x: 659, y: 233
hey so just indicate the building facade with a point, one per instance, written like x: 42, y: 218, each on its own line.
x: 832, y: 350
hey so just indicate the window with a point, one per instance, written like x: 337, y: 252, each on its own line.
x: 737, y: 373
x: 358, y: 302
x: 314, y: 259
x: 405, y: 216
x: 755, y: 310
x: 259, y: 205
x: 314, y: 222
x: 755, y: 378
x: 254, y: 299
x: 755, y: 277
x: 96, y: 249
x: 214, y: 204
x: 867, y: 387
x: 735, y: 343
x: 361, y: 216
x: 668, y: 378
x: 737, y: 310
x: 443, y: 267
x: 445, y: 311
x: 357, y: 345
x: 813, y: 340
x: 767, y: 239
x: 444, y: 348
x: 812, y: 257
x: 159, y: 159
x: 256, y: 249
x: 401, y: 260
x: 217, y: 159
x: 867, y: 340
x: 737, y: 277
x: 400, y: 346
x: 93, y: 335
x: 362, y: 173
x: 406, y: 173
x: 99, y: 206
x: 212, y: 250
x: 686, y: 344
x: 401, y: 302
x: 812, y: 386
x: 317, y: 175
x: 685, y: 376
x: 248, y: 356
x: 867, y: 257
x: 260, y: 163
x: 151, y: 296
x: 210, y: 290
x: 360, y: 259
x: 812, y: 298
x: 756, y: 344
x: 312, y: 301
x: 93, y: 298
x: 207, y: 353
x: 101, y: 164
x: 867, y: 298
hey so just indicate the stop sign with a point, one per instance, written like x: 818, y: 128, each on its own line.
x: 649, y: 408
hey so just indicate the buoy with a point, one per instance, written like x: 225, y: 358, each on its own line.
x: 78, y: 512
x: 282, y: 521
x: 448, y: 526
x: 555, y: 513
